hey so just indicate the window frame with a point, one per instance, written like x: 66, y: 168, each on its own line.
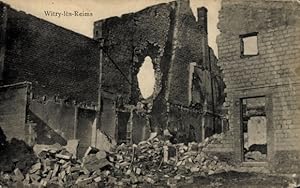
x: 253, y: 34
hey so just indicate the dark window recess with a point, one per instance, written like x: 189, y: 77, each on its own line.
x: 249, y: 46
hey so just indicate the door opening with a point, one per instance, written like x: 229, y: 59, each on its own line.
x: 254, y: 129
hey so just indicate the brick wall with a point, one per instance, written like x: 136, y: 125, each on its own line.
x: 272, y: 73
x: 185, y: 124
x: 166, y: 33
x: 128, y: 40
x: 187, y: 48
x: 57, y: 61
x: 190, y: 46
x: 171, y: 36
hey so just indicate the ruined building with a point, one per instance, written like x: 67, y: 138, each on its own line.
x: 259, y: 54
x: 58, y: 85
x: 49, y: 79
x: 188, y: 88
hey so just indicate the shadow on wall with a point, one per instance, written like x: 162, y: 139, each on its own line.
x: 2, y: 138
x: 44, y: 133
x: 84, y: 129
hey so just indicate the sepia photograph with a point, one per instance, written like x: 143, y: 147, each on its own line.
x: 150, y: 93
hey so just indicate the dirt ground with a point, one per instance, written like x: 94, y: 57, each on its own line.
x: 238, y: 180
x: 230, y: 179
x: 234, y: 179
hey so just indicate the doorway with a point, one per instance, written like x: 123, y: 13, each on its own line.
x: 254, y: 129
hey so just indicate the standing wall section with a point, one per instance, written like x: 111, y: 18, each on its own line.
x: 273, y: 73
x: 58, y: 62
x: 13, y: 107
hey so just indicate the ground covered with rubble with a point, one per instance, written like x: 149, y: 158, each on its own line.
x: 150, y: 163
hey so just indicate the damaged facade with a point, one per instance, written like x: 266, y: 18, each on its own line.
x: 57, y: 85
x: 49, y: 78
x: 56, y: 75
x: 188, y: 90
x: 259, y: 56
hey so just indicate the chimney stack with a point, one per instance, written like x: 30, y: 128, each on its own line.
x: 202, y: 18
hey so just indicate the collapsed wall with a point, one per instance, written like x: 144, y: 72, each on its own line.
x: 185, y: 70
x: 62, y: 69
x: 259, y: 56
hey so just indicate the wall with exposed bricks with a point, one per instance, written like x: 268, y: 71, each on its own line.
x: 57, y: 61
x: 171, y: 36
x: 128, y: 40
x: 273, y: 73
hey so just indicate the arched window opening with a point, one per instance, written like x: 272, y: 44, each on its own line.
x: 146, y: 78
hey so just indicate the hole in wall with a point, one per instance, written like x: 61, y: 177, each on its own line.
x: 249, y: 44
x: 254, y: 125
x: 146, y: 78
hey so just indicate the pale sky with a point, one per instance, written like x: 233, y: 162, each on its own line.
x: 106, y: 8
x: 146, y: 78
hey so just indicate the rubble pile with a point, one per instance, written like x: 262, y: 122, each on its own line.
x: 255, y: 156
x: 160, y: 161
x: 153, y: 161
x: 56, y: 165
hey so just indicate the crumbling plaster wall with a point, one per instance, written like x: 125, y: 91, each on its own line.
x: 59, y: 116
x: 13, y: 107
x: 272, y: 73
x: 50, y: 116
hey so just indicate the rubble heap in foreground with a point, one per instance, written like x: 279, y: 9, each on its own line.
x: 151, y: 162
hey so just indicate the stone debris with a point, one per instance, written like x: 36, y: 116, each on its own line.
x: 18, y: 175
x: 255, y: 156
x: 149, y: 162
x: 39, y: 148
x: 72, y: 146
